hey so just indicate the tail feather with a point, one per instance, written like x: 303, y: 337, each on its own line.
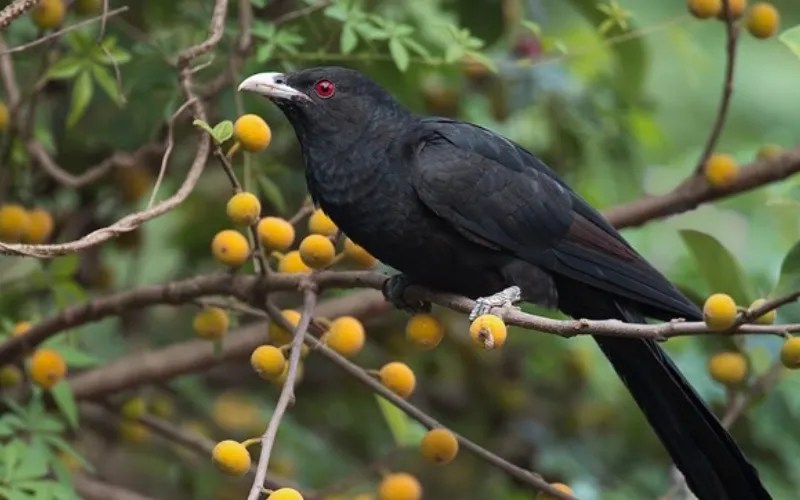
x: 713, y: 465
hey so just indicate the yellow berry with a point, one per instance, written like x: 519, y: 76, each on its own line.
x: 133, y: 408
x: 719, y: 312
x: 281, y: 379
x: 399, y: 486
x: 488, y: 331
x: 48, y: 14
x: 47, y: 368
x: 162, y: 407
x: 292, y: 263
x: 134, y: 432
x: 704, y: 9
x: 10, y: 376
x: 439, y: 446
x: 345, y: 336
x: 40, y: 227
x: 398, y: 377
x: 768, y: 151
x: 358, y: 255
x: 317, y: 251
x: 244, y: 209
x: 88, y: 7
x: 720, y: 170
x: 231, y: 457
x: 268, y: 361
x: 737, y: 8
x: 320, y: 223
x: 728, y: 368
x: 790, y: 353
x: 560, y: 487
x: 4, y: 116
x: 211, y: 323
x: 275, y: 233
x: 230, y: 248
x: 235, y: 412
x: 424, y: 330
x: 278, y: 335
x: 252, y: 133
x: 21, y: 328
x: 14, y: 222
x: 763, y: 20
x: 766, y: 318
x: 285, y: 494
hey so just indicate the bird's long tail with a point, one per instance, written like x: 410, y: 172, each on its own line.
x: 713, y: 465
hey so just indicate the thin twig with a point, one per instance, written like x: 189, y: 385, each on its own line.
x: 168, y: 152
x: 15, y: 10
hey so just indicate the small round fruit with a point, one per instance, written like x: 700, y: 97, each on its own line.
x: 285, y: 494
x: 398, y: 378
x: 88, y: 7
x: 768, y: 151
x: 244, y: 209
x: 346, y: 336
x: 790, y: 353
x: 767, y: 318
x: 231, y: 457
x: 211, y: 323
x: 134, y: 182
x: 320, y: 223
x: 705, y: 9
x: 268, y: 361
x: 40, y: 227
x: 278, y: 335
x: 439, y: 446
x: 763, y: 20
x: 162, y: 406
x: 10, y: 376
x: 134, y: 432
x: 14, y: 222
x: 275, y: 233
x: 230, y: 248
x: 424, y: 330
x: 720, y: 170
x: 21, y: 328
x: 4, y: 116
x: 252, y: 133
x: 728, y: 368
x: 358, y: 255
x: 281, y: 379
x: 133, y: 408
x: 292, y: 263
x: 47, y: 368
x: 317, y: 251
x: 49, y: 14
x: 719, y: 312
x: 488, y: 331
x: 737, y: 8
x: 399, y: 486
x: 563, y: 488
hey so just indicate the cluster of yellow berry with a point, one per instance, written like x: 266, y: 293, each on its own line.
x: 762, y: 20
x: 49, y: 14
x: 27, y: 226
x: 46, y: 367
x: 131, y: 430
x: 721, y: 169
x: 731, y: 368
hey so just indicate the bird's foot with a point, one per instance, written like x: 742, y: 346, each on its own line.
x: 504, y: 298
x: 394, y: 290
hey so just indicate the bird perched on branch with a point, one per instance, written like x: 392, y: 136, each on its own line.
x: 458, y: 208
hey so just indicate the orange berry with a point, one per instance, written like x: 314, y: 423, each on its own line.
x: 704, y: 9
x: 439, y: 446
x: 737, y: 8
x: 231, y: 457
x: 275, y: 233
x: 21, y: 328
x: 49, y: 14
x: 243, y: 209
x: 560, y: 487
x: 728, y: 368
x: 346, y: 336
x: 358, y: 255
x: 268, y: 361
x: 317, y: 251
x: 399, y: 486
x: 40, y: 227
x: 399, y: 378
x: 424, y: 330
x: 320, y: 223
x: 720, y: 170
x: 763, y: 20
x: 277, y: 334
x: 790, y: 353
x: 719, y: 312
x: 211, y: 323
x: 47, y: 368
x: 230, y: 247
x: 252, y: 133
x: 14, y: 222
x: 285, y: 494
x: 292, y: 263
x: 488, y: 331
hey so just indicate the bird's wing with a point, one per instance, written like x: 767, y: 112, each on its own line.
x: 492, y: 190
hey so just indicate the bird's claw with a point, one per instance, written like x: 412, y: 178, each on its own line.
x: 394, y: 290
x: 504, y: 298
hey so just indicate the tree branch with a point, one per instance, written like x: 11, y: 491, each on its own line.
x: 15, y: 10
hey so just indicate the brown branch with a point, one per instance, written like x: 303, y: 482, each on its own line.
x: 14, y: 10
x: 90, y: 488
x: 168, y: 152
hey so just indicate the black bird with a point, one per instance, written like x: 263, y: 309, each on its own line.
x: 458, y: 208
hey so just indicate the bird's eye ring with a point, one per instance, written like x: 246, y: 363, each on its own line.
x: 324, y: 88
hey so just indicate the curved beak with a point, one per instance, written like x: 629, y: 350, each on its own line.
x: 271, y: 85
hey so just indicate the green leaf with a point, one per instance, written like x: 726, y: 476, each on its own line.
x: 34, y: 462
x: 718, y: 266
x: 106, y: 82
x: 12, y: 452
x: 414, y: 46
x: 58, y: 443
x: 258, y: 3
x: 336, y: 11
x: 265, y: 52
x: 532, y: 27
x: 222, y: 131
x: 481, y: 58
x: 65, y: 68
x: 406, y: 431
x: 76, y: 358
x: 272, y: 193
x: 64, y: 267
x: 453, y: 53
x: 348, y: 39
x: 65, y: 400
x: 45, y: 423
x: 69, y: 292
x: 789, y: 278
x: 791, y: 38
x: 203, y: 125
x: 82, y: 90
x: 399, y: 54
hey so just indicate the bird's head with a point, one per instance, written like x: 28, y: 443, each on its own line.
x: 326, y: 103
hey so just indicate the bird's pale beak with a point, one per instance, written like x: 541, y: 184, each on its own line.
x: 271, y: 85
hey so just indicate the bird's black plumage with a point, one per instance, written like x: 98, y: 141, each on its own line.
x: 462, y: 209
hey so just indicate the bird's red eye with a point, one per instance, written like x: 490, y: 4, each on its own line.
x: 324, y: 88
